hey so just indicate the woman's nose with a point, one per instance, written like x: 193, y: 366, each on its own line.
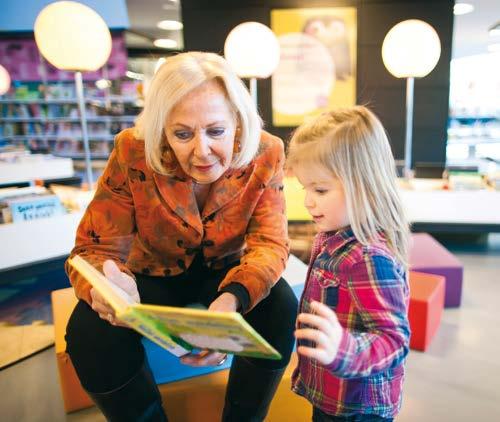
x: 201, y: 146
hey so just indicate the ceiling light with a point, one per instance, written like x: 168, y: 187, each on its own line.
x: 4, y: 80
x: 494, y: 48
x: 494, y: 30
x: 103, y: 83
x: 165, y: 43
x: 462, y: 8
x: 172, y: 4
x: 170, y: 25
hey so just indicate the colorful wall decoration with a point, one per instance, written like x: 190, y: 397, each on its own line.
x: 317, y: 69
x: 24, y: 62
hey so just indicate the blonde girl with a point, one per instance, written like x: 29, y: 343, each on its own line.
x: 352, y: 331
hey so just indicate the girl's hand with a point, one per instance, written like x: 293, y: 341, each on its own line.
x: 122, y: 280
x: 326, y: 333
x: 226, y: 302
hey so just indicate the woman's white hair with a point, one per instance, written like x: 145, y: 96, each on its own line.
x: 352, y: 144
x: 179, y: 75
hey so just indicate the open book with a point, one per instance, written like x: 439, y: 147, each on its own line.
x: 179, y: 330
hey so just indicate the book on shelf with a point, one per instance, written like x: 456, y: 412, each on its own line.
x: 179, y: 330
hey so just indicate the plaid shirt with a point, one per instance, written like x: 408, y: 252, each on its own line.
x: 368, y: 290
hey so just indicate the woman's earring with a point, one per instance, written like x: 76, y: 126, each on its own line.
x: 237, y: 143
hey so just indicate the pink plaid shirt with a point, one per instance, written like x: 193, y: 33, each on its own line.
x: 368, y: 290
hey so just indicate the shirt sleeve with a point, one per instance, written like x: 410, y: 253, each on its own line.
x: 380, y: 293
x: 266, y: 238
x: 107, y: 228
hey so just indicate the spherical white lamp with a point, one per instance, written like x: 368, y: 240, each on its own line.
x: 411, y: 49
x: 253, y: 51
x: 72, y: 36
x: 4, y: 80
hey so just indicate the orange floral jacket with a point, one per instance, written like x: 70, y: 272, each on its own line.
x: 149, y: 223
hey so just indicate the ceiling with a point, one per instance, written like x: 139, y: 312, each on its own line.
x: 470, y: 35
x: 470, y: 32
x: 144, y: 15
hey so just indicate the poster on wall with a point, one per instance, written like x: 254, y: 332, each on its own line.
x: 317, y: 69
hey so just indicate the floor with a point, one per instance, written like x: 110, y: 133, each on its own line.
x: 456, y: 380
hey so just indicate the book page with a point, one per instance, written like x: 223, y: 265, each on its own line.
x: 180, y: 329
x: 222, y: 331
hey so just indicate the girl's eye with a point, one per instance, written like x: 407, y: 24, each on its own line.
x: 216, y: 131
x: 320, y: 191
x: 183, y: 135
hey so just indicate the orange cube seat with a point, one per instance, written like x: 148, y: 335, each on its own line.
x: 74, y: 396
x: 187, y: 400
x: 427, y: 293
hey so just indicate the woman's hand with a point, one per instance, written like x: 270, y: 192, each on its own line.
x: 226, y: 302
x: 122, y: 280
x: 326, y: 333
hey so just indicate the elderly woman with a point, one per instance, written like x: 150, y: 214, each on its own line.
x: 190, y: 208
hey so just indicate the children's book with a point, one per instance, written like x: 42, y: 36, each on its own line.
x: 179, y: 330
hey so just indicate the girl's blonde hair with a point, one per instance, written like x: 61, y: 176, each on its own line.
x: 352, y: 144
x: 179, y: 75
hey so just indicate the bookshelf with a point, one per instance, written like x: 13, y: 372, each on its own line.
x: 44, y: 118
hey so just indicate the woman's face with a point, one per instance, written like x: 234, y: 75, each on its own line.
x: 201, y: 130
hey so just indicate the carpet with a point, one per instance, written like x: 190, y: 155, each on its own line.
x: 26, y: 312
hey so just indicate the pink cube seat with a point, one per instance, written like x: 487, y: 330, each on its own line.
x: 427, y: 255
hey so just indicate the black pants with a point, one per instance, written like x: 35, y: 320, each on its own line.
x: 105, y: 357
x: 319, y: 416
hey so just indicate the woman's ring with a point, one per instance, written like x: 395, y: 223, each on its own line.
x: 221, y: 362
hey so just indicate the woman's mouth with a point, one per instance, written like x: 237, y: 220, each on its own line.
x: 317, y: 218
x: 204, y: 168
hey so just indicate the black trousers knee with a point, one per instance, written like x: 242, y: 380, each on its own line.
x: 105, y: 356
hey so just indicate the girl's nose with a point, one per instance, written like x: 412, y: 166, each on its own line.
x: 308, y: 201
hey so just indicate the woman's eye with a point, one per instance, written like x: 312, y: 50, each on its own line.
x: 216, y: 131
x: 183, y: 135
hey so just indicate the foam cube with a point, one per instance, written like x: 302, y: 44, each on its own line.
x: 427, y: 292
x: 190, y: 393
x: 427, y: 255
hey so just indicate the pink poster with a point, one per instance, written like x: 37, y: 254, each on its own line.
x: 24, y: 62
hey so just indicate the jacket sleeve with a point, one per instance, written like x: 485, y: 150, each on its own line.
x: 380, y: 294
x: 267, y: 243
x: 108, y: 225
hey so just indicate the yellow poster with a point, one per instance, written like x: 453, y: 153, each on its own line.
x: 317, y: 69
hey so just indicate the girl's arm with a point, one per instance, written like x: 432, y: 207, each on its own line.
x: 380, y: 294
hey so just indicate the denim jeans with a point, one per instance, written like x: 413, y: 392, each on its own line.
x: 319, y: 416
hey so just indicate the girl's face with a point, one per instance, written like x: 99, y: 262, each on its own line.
x: 325, y: 198
x: 201, y: 130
